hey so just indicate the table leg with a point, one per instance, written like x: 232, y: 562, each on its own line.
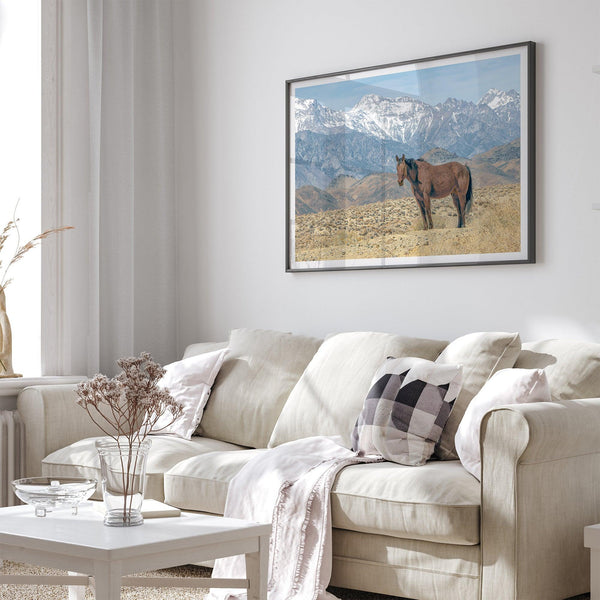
x: 257, y: 567
x: 76, y: 592
x: 107, y: 580
x: 595, y: 574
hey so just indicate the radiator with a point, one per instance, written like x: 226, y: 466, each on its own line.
x: 12, y: 454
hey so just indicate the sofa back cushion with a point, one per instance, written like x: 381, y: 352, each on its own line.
x: 481, y: 355
x: 253, y: 384
x: 329, y: 396
x: 572, y: 367
x: 203, y: 348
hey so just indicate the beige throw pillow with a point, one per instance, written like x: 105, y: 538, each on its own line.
x: 253, y: 384
x: 572, y: 367
x: 481, y: 355
x: 329, y: 396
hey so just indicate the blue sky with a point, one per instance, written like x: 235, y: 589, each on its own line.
x: 465, y: 81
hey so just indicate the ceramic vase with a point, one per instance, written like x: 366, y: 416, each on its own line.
x: 6, y: 368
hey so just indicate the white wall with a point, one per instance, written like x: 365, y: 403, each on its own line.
x: 233, y: 60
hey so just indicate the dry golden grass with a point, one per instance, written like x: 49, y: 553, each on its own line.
x: 394, y: 228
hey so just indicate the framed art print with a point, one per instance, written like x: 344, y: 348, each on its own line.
x: 429, y: 162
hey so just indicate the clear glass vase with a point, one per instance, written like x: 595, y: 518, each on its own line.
x: 123, y: 479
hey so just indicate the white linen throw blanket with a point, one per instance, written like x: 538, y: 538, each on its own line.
x: 289, y: 486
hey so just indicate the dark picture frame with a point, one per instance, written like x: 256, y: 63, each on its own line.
x: 457, y: 131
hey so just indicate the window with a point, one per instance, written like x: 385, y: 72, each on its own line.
x: 20, y: 170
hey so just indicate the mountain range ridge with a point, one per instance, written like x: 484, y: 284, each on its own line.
x: 497, y: 166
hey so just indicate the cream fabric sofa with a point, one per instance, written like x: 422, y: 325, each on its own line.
x: 432, y: 532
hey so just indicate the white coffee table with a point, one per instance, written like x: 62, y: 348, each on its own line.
x: 83, y: 544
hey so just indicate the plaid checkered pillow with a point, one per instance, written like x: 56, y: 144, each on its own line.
x: 406, y: 409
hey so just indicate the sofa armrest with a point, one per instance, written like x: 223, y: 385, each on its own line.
x: 540, y: 487
x: 52, y: 420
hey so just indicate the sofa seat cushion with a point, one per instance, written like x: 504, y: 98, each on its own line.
x: 437, y: 502
x: 201, y: 482
x: 80, y: 459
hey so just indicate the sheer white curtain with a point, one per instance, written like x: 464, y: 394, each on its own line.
x: 115, y: 158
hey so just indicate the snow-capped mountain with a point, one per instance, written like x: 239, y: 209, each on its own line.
x: 506, y: 105
x: 397, y: 119
x: 384, y: 118
x: 495, y: 98
x: 310, y: 115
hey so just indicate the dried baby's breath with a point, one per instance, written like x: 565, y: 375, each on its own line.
x: 131, y: 403
x: 128, y: 406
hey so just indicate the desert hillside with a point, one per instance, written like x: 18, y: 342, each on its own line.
x: 394, y: 228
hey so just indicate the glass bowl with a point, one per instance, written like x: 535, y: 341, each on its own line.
x: 47, y: 493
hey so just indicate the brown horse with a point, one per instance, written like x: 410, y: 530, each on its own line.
x: 436, y: 181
